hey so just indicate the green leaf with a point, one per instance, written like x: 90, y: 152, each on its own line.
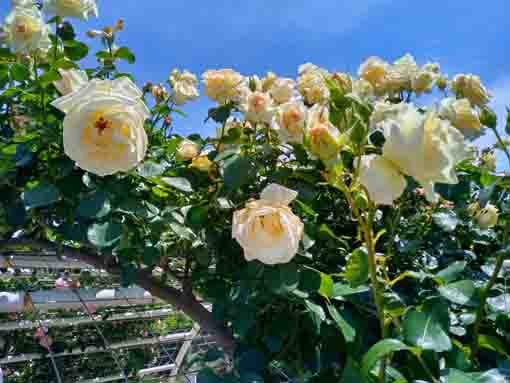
x: 428, y: 328
x: 75, y: 50
x: 348, y: 331
x: 501, y: 303
x: 95, y: 206
x: 447, y: 221
x: 462, y: 292
x: 507, y: 125
x: 452, y: 271
x: 238, y: 171
x: 380, y: 349
x: 197, y: 215
x: 456, y: 376
x: 282, y: 279
x: 317, y: 313
x: 179, y: 183
x: 125, y: 53
x: 326, y: 288
x: 41, y: 195
x: 356, y: 271
x: 352, y: 373
x: 104, y: 234
x: 340, y: 290
x: 221, y: 113
x: 65, y: 31
x: 48, y: 78
x: 20, y: 72
x: 492, y: 343
x: 151, y: 169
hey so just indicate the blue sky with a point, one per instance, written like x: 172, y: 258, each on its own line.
x: 260, y: 35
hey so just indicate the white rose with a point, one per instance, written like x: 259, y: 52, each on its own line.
x: 184, y: 85
x: 400, y: 75
x: 71, y: 81
x: 487, y: 217
x: 461, y: 115
x: 104, y: 126
x: 423, y: 82
x: 267, y: 229
x: 324, y: 139
x: 426, y: 148
x: 81, y: 9
x: 282, y: 90
x: 25, y: 30
x: 257, y: 107
x: 470, y: 87
x: 187, y: 150
x: 382, y: 179
x: 222, y: 85
x: 311, y: 84
x: 290, y: 122
x: 373, y: 70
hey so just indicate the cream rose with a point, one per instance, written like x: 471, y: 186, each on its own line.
x: 25, y: 30
x: 184, y: 85
x: 257, y: 107
x: 267, y: 229
x: 104, y: 126
x: 426, y: 148
x: 373, y: 70
x: 470, y: 87
x: 81, y: 9
x: 461, y: 115
x: 282, y: 90
x: 324, y: 139
x: 382, y: 179
x: 290, y: 122
x: 311, y: 84
x: 487, y: 217
x: 222, y: 85
x: 71, y: 81
x: 202, y: 163
x: 187, y: 150
x: 401, y: 74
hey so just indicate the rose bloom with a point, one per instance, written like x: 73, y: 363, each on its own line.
x: 81, y: 9
x: 267, y: 82
x: 461, y: 115
x: 487, y: 217
x: 423, y: 82
x: 400, y: 75
x: 104, y: 126
x: 373, y: 70
x: 324, y: 139
x: 470, y: 87
x: 312, y: 87
x: 187, y: 150
x: 202, y: 163
x: 71, y: 81
x: 257, y: 107
x: 184, y: 85
x: 424, y: 147
x: 290, y: 122
x: 267, y: 229
x: 382, y: 179
x: 363, y: 89
x: 25, y: 30
x: 282, y: 90
x: 222, y: 85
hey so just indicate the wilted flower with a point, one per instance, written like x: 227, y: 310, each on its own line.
x: 187, y: 150
x: 159, y: 93
x: 461, y: 115
x: 202, y: 163
x: 400, y: 75
x: 382, y: 179
x: 267, y: 229
x: 373, y: 70
x: 282, y: 90
x: 257, y: 107
x: 81, y: 9
x: 119, y: 25
x: 290, y: 122
x: 104, y: 126
x: 25, y: 30
x: 426, y: 148
x: 470, y: 87
x: 487, y: 217
x: 184, y: 85
x: 324, y: 139
x: 222, y: 85
x: 93, y: 33
x: 71, y: 81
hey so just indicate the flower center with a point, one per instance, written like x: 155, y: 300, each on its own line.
x: 25, y: 28
x: 102, y: 124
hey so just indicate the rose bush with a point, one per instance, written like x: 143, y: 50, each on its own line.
x: 343, y: 228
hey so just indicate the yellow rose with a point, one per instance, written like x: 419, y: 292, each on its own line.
x: 290, y: 122
x: 324, y: 139
x: 202, y: 163
x: 282, y: 90
x: 382, y: 179
x: 487, y: 217
x: 470, y: 87
x: 81, y: 9
x: 461, y: 115
x: 311, y: 84
x: 71, y: 81
x: 104, y: 126
x: 267, y: 229
x: 373, y: 70
x: 25, y: 30
x: 187, y: 150
x: 400, y: 75
x: 222, y: 85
